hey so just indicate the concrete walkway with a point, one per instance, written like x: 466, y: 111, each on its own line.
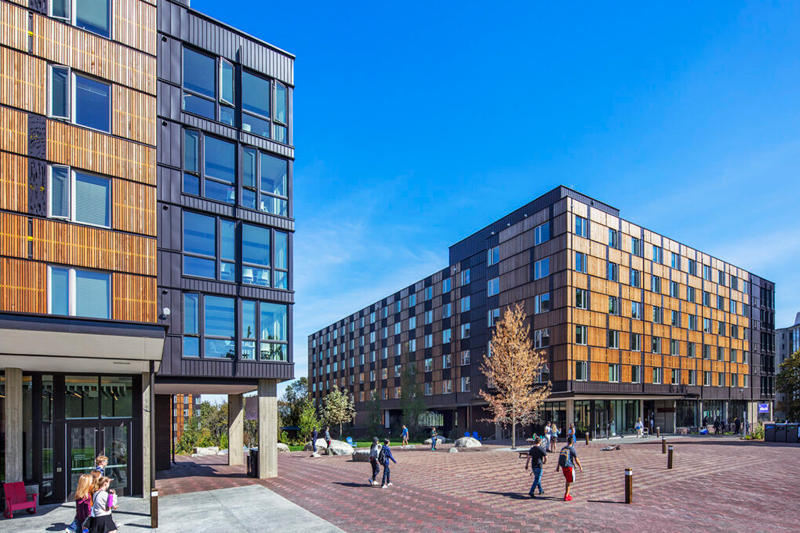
x: 252, y: 509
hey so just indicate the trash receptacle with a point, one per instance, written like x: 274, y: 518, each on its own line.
x: 780, y: 432
x: 769, y: 432
x: 791, y: 433
x: 252, y: 463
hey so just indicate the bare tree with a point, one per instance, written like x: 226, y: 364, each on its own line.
x: 512, y: 371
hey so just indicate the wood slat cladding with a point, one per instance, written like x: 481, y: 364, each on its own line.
x: 13, y: 182
x: 20, y: 2
x: 134, y: 207
x: 13, y: 235
x: 13, y: 25
x: 22, y: 286
x: 13, y: 131
x: 134, y: 298
x: 134, y: 115
x: 135, y: 25
x: 83, y: 246
x: 23, y: 81
x: 81, y: 50
x: 90, y: 150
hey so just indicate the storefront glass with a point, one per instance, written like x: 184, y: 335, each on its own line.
x: 686, y: 412
x: 582, y: 420
x: 622, y: 417
x: 712, y: 410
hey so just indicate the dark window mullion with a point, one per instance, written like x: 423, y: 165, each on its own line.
x: 201, y: 325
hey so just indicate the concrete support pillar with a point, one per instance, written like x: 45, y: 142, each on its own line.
x: 267, y: 428
x: 570, y: 415
x: 13, y: 414
x: 235, y: 429
x: 147, y: 452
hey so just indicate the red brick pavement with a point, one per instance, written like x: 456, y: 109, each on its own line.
x: 715, y: 486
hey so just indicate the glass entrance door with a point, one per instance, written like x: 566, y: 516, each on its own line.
x: 86, y: 440
x: 116, y: 443
x: 81, y: 452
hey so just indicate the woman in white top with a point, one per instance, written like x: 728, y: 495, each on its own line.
x: 553, y: 437
x: 548, y: 432
x: 103, y: 502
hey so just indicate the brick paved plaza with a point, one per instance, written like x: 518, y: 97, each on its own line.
x: 716, y: 485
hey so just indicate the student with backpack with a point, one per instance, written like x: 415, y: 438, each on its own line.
x: 567, y: 460
x: 539, y: 457
x: 383, y: 458
x: 373, y: 461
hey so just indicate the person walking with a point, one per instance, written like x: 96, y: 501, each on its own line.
x: 737, y: 425
x: 100, y: 464
x: 328, y: 439
x: 433, y: 439
x: 538, y: 457
x: 404, y: 435
x: 716, y: 426
x: 639, y: 427
x: 554, y: 431
x: 571, y: 431
x: 314, y: 436
x: 373, y: 461
x: 652, y: 425
x: 384, y: 457
x: 547, y: 434
x: 102, y: 505
x: 83, y: 503
x: 567, y: 460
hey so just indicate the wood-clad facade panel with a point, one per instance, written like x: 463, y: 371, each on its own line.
x: 22, y: 286
x: 90, y: 150
x: 13, y: 23
x: 13, y: 235
x: 13, y: 131
x: 134, y: 298
x: 135, y: 25
x: 134, y: 207
x: 71, y: 244
x: 92, y: 54
x: 134, y: 115
x: 23, y: 81
x: 13, y: 182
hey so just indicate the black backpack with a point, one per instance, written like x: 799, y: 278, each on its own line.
x: 562, y: 457
x: 382, y: 455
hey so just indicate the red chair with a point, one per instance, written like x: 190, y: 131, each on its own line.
x: 17, y: 499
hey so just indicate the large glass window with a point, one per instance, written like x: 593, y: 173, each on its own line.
x: 220, y: 170
x: 281, y: 120
x: 199, y: 245
x: 94, y: 16
x: 199, y: 82
x: 80, y: 99
x: 191, y: 325
x: 274, y: 328
x: 255, y: 104
x: 255, y: 255
x: 265, y: 182
x: 79, y: 197
x: 75, y: 292
x: 219, y: 320
x: 281, y: 260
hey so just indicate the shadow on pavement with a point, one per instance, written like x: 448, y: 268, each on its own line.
x: 353, y: 485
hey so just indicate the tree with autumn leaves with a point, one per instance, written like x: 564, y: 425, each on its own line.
x: 512, y: 370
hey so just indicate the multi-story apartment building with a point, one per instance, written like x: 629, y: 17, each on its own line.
x: 788, y: 342
x: 631, y: 322
x: 145, y: 226
x: 184, y: 407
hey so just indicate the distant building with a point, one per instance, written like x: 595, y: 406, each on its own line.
x: 184, y: 407
x: 632, y: 323
x: 788, y: 343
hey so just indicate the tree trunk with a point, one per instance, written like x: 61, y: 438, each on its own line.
x: 514, y: 434
x: 340, y: 431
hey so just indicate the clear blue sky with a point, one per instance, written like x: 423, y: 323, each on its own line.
x: 418, y: 123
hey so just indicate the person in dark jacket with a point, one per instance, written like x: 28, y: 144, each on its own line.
x: 387, y: 456
x: 373, y: 461
x: 737, y: 425
x: 314, y: 435
x: 328, y: 439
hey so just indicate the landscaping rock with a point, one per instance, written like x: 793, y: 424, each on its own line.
x: 321, y: 445
x: 210, y: 450
x: 222, y: 452
x: 361, y: 455
x: 468, y: 442
x: 439, y: 439
x: 282, y: 447
x: 408, y: 447
x: 340, y: 448
x: 453, y: 450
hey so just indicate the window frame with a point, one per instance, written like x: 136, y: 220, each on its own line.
x: 493, y: 287
x: 72, y: 284
x: 538, y: 270
x: 72, y: 196
x: 613, y: 373
x: 263, y: 199
x: 581, y: 226
x: 582, y: 374
x: 71, y: 17
x: 581, y: 298
x: 580, y: 262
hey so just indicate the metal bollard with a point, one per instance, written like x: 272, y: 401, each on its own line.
x: 658, y: 431
x: 663, y: 444
x: 154, y: 508
x: 629, y: 485
x: 587, y: 438
x: 669, y: 459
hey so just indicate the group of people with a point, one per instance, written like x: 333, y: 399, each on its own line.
x: 315, y: 436
x: 94, y: 502
x: 567, y: 460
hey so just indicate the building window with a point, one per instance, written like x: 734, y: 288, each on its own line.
x: 255, y: 104
x: 75, y: 292
x: 493, y: 286
x: 397, y: 328
x: 613, y: 339
x: 581, y: 226
x: 492, y: 317
x: 265, y: 182
x: 721, y: 277
x: 707, y: 272
x: 613, y: 373
x: 613, y: 305
x: 636, y: 278
x: 674, y: 289
x: 445, y: 288
x: 542, y: 303
x: 636, y: 310
x: 657, y: 373
x: 199, y: 84
x: 447, y: 386
x: 465, y: 304
x: 636, y: 342
x: 465, y: 277
x: 656, y: 342
x: 412, y: 323
x: 706, y: 351
x: 655, y: 284
x: 91, y: 15
x: 541, y: 268
x: 675, y: 261
x: 720, y: 353
x: 733, y: 307
x: 675, y: 318
x: 581, y: 298
x: 581, y: 335
x: 580, y: 262
x: 674, y: 347
x: 657, y: 315
x: 465, y: 331
x: 658, y: 254
x: 690, y: 294
x: 613, y: 238
x: 428, y: 293
x: 581, y: 371
x: 613, y: 272
x: 465, y: 358
x: 542, y: 233
x: 636, y: 246
x: 429, y: 341
x: 720, y: 303
x: 541, y: 338
x: 428, y: 389
x: 493, y: 256
x: 79, y: 197
x: 384, y: 373
x: 429, y: 317
x: 735, y: 333
x: 636, y: 374
x: 734, y: 283
x: 219, y: 327
x: 447, y: 310
x: 447, y: 360
x: 79, y: 99
x: 691, y: 349
x: 692, y: 377
x: 707, y: 325
x: 465, y: 385
x: 692, y: 322
x: 720, y: 380
x: 692, y: 267
x: 721, y: 328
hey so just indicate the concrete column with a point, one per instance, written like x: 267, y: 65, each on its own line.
x: 13, y: 428
x: 570, y: 414
x: 235, y: 429
x: 147, y: 452
x: 267, y: 428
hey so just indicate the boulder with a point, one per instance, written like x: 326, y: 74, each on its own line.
x: 408, y: 447
x: 468, y: 442
x: 282, y: 447
x: 340, y: 448
x: 321, y: 445
x: 453, y: 450
x: 439, y: 439
x: 210, y: 450
x: 361, y: 455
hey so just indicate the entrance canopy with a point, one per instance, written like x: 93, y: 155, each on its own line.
x: 73, y: 344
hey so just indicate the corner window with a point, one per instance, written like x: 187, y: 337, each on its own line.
x: 281, y: 122
x: 80, y: 99
x: 79, y: 197
x: 264, y: 182
x: 76, y: 292
x: 274, y: 332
